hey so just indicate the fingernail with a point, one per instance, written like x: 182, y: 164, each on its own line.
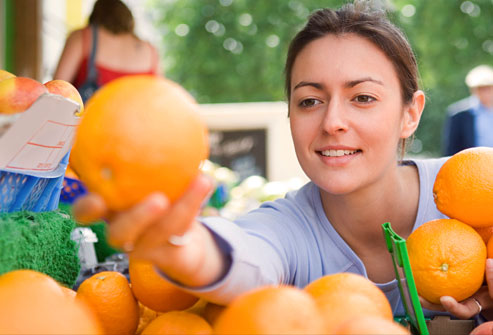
x: 489, y: 262
x: 156, y: 201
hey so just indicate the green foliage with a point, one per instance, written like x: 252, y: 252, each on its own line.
x: 449, y: 37
x: 219, y: 49
x: 225, y: 56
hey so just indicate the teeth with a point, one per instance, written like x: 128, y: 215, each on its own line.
x: 337, y: 153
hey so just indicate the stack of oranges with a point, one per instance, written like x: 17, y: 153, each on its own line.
x: 448, y: 256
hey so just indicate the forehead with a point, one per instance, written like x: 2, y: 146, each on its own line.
x: 343, y: 58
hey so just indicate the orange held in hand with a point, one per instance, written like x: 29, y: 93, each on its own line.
x: 463, y: 188
x: 18, y: 93
x: 343, y: 296
x: 109, y: 295
x: 139, y: 134
x: 154, y: 291
x: 271, y: 310
x: 448, y: 258
x: 34, y: 303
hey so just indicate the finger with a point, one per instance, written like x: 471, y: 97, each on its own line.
x: 428, y: 305
x: 462, y: 310
x: 184, y: 211
x: 127, y: 226
x: 489, y: 275
x: 89, y: 208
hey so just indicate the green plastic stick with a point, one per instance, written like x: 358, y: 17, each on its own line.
x: 404, y: 275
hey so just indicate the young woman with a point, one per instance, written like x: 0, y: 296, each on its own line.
x: 352, y: 87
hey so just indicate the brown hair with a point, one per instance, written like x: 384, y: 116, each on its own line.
x: 375, y: 27
x: 113, y: 15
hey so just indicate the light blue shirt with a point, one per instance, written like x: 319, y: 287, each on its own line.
x: 483, y: 122
x: 291, y: 241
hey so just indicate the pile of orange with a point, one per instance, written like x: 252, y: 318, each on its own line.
x: 34, y: 303
x: 448, y: 256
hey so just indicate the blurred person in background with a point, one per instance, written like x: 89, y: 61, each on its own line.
x: 106, y: 49
x: 470, y: 120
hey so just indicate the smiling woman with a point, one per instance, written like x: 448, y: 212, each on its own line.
x: 351, y: 83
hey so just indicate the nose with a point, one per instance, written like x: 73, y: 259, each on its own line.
x: 335, y: 118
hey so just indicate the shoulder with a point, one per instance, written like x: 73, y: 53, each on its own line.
x: 462, y: 107
x: 429, y: 167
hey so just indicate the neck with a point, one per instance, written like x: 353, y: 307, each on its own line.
x: 358, y: 217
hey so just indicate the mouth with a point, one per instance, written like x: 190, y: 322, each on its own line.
x: 338, y: 153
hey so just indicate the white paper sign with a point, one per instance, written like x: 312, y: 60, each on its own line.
x: 40, y: 137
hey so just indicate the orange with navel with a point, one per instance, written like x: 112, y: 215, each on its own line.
x: 109, y: 295
x: 271, y: 310
x: 155, y: 292
x: 448, y: 258
x: 139, y: 134
x: 343, y: 296
x: 463, y: 188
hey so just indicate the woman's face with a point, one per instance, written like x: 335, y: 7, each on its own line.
x: 346, y: 113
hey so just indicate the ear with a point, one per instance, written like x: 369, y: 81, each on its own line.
x: 412, y: 114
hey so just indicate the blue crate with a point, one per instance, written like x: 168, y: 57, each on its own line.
x: 71, y: 190
x: 31, y: 192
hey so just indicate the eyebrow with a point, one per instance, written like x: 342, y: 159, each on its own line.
x: 348, y: 84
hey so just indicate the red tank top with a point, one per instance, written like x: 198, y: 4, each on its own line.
x: 105, y: 74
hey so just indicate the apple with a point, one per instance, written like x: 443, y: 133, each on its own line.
x: 65, y: 89
x: 5, y: 75
x: 18, y: 93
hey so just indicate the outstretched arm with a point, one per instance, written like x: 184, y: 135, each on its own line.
x: 145, y: 231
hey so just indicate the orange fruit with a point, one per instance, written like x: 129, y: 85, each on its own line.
x: 34, y: 303
x: 447, y: 258
x: 212, y: 312
x: 371, y: 325
x: 139, y: 134
x: 485, y: 233
x: 271, y: 310
x: 343, y: 296
x: 68, y: 292
x: 178, y: 322
x: 463, y: 188
x: 154, y: 291
x: 146, y: 315
x: 110, y: 297
x: 489, y: 248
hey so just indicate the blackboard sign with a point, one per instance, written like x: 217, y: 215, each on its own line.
x: 243, y: 151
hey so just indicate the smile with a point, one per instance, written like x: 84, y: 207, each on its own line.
x: 338, y: 153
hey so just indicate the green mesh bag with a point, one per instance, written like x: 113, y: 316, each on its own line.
x: 39, y: 241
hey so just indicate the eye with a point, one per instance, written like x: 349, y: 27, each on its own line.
x: 309, y: 102
x: 364, y: 99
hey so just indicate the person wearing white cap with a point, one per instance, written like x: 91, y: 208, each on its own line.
x: 470, y: 120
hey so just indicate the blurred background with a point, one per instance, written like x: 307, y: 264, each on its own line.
x: 230, y: 55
